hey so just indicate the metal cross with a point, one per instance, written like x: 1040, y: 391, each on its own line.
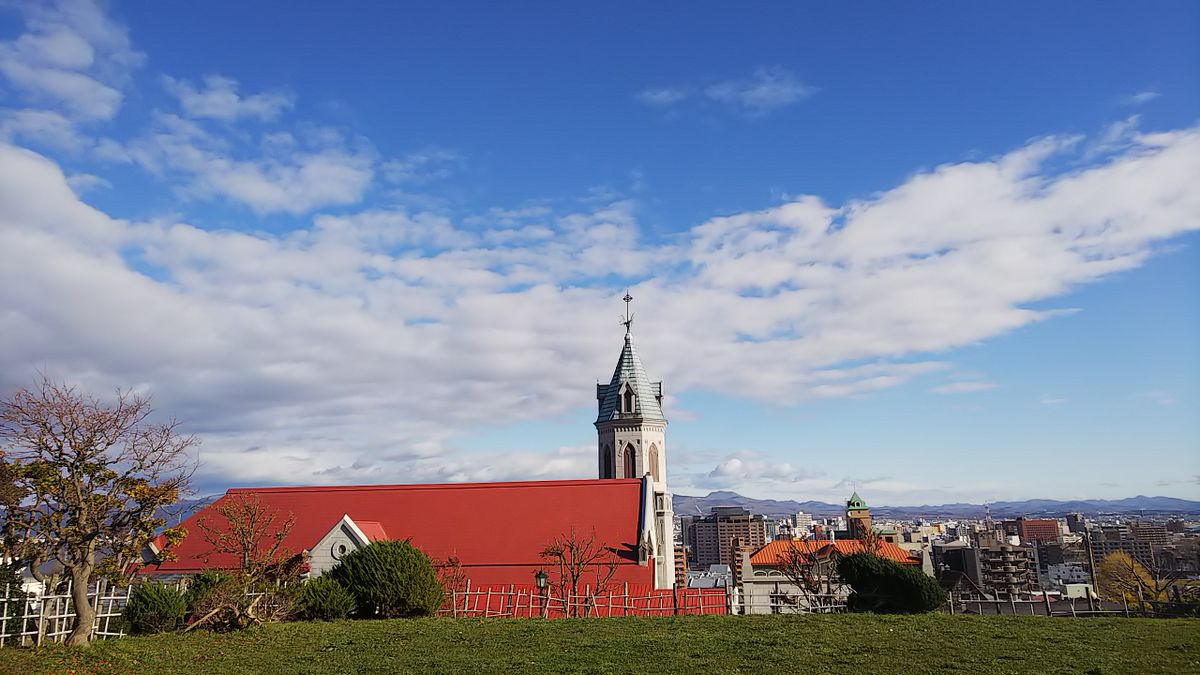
x: 628, y: 317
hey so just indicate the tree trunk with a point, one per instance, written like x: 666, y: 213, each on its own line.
x: 85, y: 614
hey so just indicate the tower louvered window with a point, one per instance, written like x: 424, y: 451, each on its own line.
x: 630, y: 457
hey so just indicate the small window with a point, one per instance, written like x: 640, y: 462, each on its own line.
x: 628, y: 400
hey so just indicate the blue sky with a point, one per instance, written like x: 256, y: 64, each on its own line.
x: 934, y: 252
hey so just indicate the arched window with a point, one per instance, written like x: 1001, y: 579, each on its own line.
x: 627, y: 400
x: 654, y: 462
x: 609, y: 471
x: 630, y: 457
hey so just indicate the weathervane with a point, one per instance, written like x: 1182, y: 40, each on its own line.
x: 628, y: 321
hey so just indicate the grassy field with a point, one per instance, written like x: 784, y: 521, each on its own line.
x: 847, y: 643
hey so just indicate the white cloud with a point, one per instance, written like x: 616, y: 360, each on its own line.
x: 375, y: 339
x: 750, y: 467
x: 422, y: 166
x: 1047, y: 399
x: 963, y: 387
x: 42, y: 127
x: 662, y: 97
x: 85, y: 182
x: 281, y: 174
x: 766, y: 90
x: 71, y: 56
x: 1140, y: 98
x: 1158, y: 396
x: 219, y: 100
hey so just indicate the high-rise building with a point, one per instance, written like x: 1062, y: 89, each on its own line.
x: 1110, y: 539
x: 803, y: 522
x: 716, y: 534
x: 1152, y: 533
x: 1038, y: 529
x: 1076, y: 522
x: 1007, y: 571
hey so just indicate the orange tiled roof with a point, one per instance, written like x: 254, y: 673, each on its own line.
x: 771, y: 554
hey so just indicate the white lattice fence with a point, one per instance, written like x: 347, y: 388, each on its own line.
x: 35, y: 619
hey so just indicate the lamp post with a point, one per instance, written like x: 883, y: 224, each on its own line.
x: 542, y: 580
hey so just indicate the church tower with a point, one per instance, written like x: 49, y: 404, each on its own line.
x: 858, y: 517
x: 632, y: 444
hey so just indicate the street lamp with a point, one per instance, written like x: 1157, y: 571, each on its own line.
x: 543, y: 582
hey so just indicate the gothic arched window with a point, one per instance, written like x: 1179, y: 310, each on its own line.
x: 654, y: 462
x: 609, y: 471
x: 630, y: 457
x: 627, y: 400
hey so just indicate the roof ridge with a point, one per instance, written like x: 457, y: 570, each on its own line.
x: 432, y: 486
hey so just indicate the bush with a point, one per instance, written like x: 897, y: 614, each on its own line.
x: 12, y: 585
x: 232, y: 603
x: 199, y: 588
x: 154, y: 608
x: 888, y: 587
x: 324, y: 599
x: 390, y: 579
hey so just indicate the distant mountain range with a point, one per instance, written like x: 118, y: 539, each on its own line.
x: 688, y: 505
x: 693, y: 505
x: 181, y: 510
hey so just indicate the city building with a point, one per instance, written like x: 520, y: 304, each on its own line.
x: 1103, y: 547
x: 1007, y: 571
x: 803, y: 522
x: 1153, y: 533
x: 1038, y: 529
x: 716, y: 534
x: 1076, y: 522
x: 767, y: 588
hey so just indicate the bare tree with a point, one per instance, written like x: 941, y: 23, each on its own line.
x: 91, y: 479
x: 451, y: 575
x: 812, y: 574
x: 252, y: 533
x: 582, y: 561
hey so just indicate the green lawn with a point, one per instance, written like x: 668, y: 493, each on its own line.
x: 847, y: 643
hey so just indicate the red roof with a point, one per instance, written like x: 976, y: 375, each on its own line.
x: 372, y: 529
x: 772, y: 554
x: 496, y: 530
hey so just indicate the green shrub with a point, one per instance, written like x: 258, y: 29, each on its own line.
x: 324, y: 599
x: 200, y: 586
x: 390, y: 579
x: 888, y: 587
x: 154, y: 608
x: 12, y: 585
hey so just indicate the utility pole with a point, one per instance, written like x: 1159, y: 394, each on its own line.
x: 1087, y: 541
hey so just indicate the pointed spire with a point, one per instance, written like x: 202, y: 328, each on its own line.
x: 630, y: 393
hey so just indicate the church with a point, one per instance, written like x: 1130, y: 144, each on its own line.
x: 496, y: 531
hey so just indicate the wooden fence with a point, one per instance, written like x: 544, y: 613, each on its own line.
x: 29, y: 619
x: 1077, y: 607
x: 529, y: 601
